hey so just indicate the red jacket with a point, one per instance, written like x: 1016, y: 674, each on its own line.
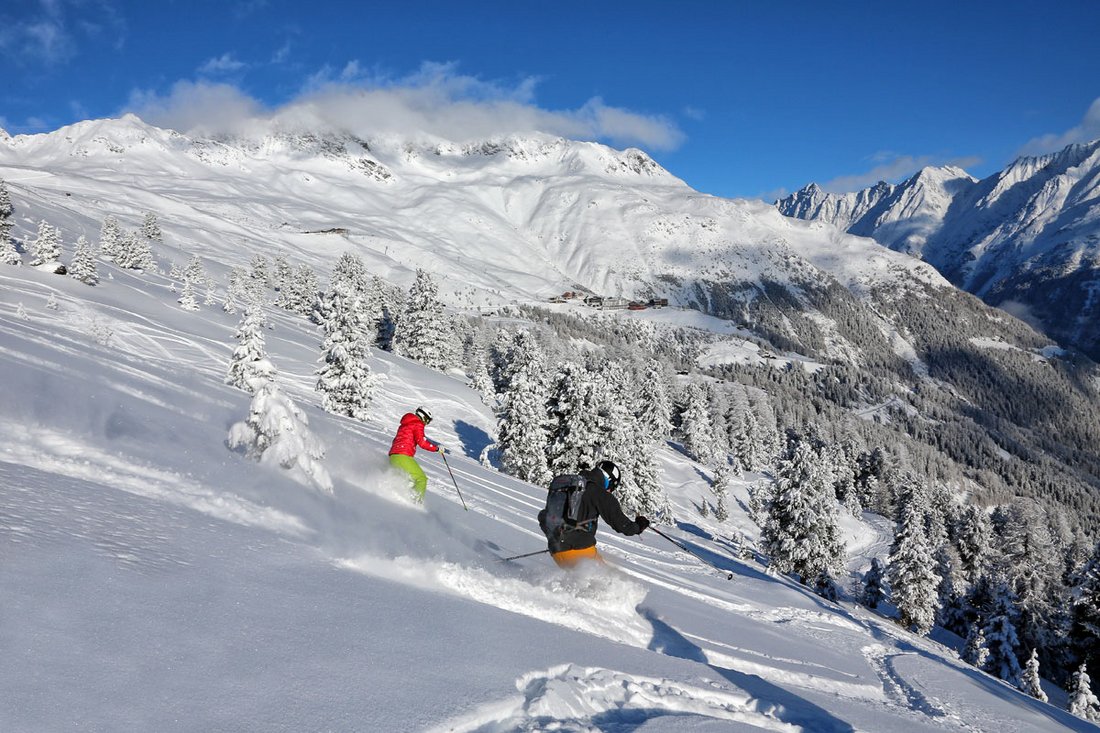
x: 409, y: 435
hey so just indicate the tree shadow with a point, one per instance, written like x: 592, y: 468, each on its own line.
x: 789, y: 707
x: 719, y: 560
x: 474, y: 439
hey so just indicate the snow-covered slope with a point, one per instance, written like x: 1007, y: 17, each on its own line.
x: 154, y: 580
x: 1028, y: 235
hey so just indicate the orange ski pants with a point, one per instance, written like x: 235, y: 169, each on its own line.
x: 570, y: 558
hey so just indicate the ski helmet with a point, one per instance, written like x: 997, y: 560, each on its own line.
x: 424, y: 415
x: 611, y: 471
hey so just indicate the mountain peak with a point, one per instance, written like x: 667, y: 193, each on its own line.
x: 1027, y: 233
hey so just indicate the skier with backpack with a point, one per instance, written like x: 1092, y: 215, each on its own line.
x: 574, y: 505
x: 410, y: 434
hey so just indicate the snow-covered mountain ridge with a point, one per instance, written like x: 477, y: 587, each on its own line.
x: 510, y: 219
x: 1027, y: 236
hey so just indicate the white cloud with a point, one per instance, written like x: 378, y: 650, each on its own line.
x: 435, y: 101
x: 51, y: 34
x: 43, y: 40
x: 1023, y: 312
x: 198, y: 106
x: 891, y: 168
x: 282, y: 55
x: 695, y: 113
x: 1085, y: 131
x: 224, y: 64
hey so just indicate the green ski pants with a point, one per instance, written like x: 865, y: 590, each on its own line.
x: 409, y: 465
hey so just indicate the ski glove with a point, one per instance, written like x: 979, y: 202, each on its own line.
x: 642, y: 523
x: 439, y: 449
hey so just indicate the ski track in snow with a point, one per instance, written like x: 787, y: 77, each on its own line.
x: 597, y: 600
x: 601, y: 699
x: 58, y: 453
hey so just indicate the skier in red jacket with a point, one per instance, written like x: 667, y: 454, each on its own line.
x: 410, y: 434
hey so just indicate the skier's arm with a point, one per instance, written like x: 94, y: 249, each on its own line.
x: 423, y: 442
x: 612, y: 513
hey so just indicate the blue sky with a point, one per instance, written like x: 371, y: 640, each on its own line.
x: 736, y: 98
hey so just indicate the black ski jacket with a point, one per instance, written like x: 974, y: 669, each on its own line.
x: 596, y: 502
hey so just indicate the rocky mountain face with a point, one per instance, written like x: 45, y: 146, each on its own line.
x: 1026, y: 238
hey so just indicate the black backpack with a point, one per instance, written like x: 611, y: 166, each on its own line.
x: 563, y: 505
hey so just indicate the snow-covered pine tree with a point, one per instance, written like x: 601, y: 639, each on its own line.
x: 973, y: 541
x: 1082, y: 702
x: 953, y: 610
x: 522, y: 422
x: 277, y: 433
x: 350, y: 274
x: 695, y: 425
x: 801, y: 534
x: 477, y: 368
x: 46, y: 249
x: 873, y: 592
x: 345, y: 380
x: 654, y: 404
x: 499, y: 358
x: 245, y: 288
x: 627, y: 442
x: 83, y: 266
x: 9, y: 255
x: 187, y: 299
x: 1029, y: 680
x: 842, y: 455
x: 1030, y: 561
x: 767, y: 428
x: 281, y: 275
x: 195, y: 273
x: 150, y: 227
x: 737, y: 409
x: 645, y: 478
x: 574, y: 436
x: 1001, y: 638
x: 913, y: 581
x: 719, y: 487
x: 424, y: 334
x: 975, y: 652
x: 301, y: 292
x: 133, y: 252
x: 717, y: 406
x: 260, y: 271
x: 110, y: 238
x: 1084, y: 632
x: 249, y: 360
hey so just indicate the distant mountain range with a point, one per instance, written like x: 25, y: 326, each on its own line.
x: 1026, y: 238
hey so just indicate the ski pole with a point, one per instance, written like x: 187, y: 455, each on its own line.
x: 455, y: 482
x: 729, y: 575
x: 517, y: 557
